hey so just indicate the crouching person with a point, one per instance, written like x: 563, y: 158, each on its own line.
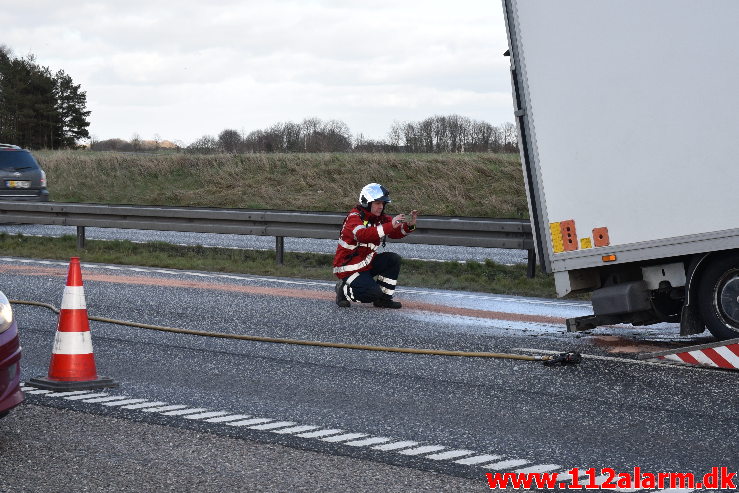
x: 366, y: 276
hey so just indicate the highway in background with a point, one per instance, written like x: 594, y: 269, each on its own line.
x: 425, y: 252
x: 226, y: 413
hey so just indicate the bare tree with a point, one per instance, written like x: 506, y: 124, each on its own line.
x: 229, y: 140
x: 136, y: 142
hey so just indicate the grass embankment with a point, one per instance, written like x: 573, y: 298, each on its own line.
x: 484, y: 185
x: 474, y: 185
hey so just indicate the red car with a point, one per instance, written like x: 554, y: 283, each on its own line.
x: 10, y: 357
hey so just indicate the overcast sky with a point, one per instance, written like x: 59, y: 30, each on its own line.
x: 183, y: 69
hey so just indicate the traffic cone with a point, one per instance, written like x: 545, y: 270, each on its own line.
x: 72, y: 365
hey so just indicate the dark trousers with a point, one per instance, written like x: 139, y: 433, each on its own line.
x: 362, y: 286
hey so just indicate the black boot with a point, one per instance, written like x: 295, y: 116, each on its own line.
x: 341, y: 300
x: 386, y: 302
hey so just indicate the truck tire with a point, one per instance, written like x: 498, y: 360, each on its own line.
x: 718, y: 296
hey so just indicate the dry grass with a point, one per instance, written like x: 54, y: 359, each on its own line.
x: 485, y: 185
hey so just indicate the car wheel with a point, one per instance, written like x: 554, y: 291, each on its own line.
x: 718, y: 296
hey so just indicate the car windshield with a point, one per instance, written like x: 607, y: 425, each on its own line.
x: 17, y: 160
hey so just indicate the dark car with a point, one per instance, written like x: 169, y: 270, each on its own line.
x: 10, y: 357
x: 21, y: 178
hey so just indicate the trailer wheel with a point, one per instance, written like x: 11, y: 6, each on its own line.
x: 718, y: 297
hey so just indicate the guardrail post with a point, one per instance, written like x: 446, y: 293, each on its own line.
x: 80, y: 237
x: 531, y: 268
x: 280, y: 249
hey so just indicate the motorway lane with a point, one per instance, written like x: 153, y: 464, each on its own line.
x: 602, y: 414
x: 87, y: 452
x: 309, y: 245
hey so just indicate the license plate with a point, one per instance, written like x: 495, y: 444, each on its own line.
x: 17, y: 184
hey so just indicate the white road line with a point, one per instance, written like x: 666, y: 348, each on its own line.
x: 319, y: 433
x: 538, y: 469
x: 270, y: 426
x: 396, y: 445
x: 223, y: 419
x: 164, y: 408
x: 65, y: 394
x: 344, y: 437
x: 450, y: 454
x: 478, y: 459
x: 181, y: 412
x: 210, y: 414
x: 40, y: 391
x: 296, y: 429
x: 248, y: 422
x: 143, y: 405
x: 368, y: 441
x: 86, y: 396
x: 506, y: 464
x: 422, y: 450
x: 121, y: 403
x: 103, y: 399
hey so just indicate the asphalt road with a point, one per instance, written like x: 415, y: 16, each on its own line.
x: 308, y: 245
x: 396, y: 418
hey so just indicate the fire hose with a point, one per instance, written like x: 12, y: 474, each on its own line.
x: 568, y: 358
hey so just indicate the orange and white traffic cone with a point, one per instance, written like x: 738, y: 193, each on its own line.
x: 72, y: 365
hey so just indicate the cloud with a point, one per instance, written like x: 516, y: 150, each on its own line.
x: 185, y: 68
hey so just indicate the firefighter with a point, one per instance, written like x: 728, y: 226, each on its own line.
x: 366, y: 276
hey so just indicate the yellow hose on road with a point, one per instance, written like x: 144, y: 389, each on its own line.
x: 277, y: 340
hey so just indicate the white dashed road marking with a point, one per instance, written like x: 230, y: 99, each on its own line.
x: 223, y: 419
x: 538, y: 469
x: 451, y: 454
x: 143, y: 405
x: 163, y: 408
x: 210, y: 414
x: 396, y: 445
x: 104, y: 399
x: 121, y: 403
x: 422, y: 450
x: 65, y: 394
x: 320, y: 433
x: 182, y: 412
x: 506, y: 464
x: 478, y: 459
x: 341, y: 438
x: 368, y: 441
x: 269, y: 426
x: 296, y: 429
x: 248, y: 422
x: 84, y: 396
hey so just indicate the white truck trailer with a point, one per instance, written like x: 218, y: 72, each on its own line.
x: 628, y: 118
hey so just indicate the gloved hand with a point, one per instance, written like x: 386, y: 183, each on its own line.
x: 398, y: 220
x: 414, y: 216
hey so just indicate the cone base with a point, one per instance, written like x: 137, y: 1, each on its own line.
x: 59, y: 385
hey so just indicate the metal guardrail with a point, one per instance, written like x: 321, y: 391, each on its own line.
x: 432, y: 230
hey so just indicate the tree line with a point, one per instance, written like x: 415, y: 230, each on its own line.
x: 449, y: 133
x: 38, y: 108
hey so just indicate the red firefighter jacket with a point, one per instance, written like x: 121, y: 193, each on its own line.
x: 360, y: 238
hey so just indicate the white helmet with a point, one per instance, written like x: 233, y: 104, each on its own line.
x: 373, y: 192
